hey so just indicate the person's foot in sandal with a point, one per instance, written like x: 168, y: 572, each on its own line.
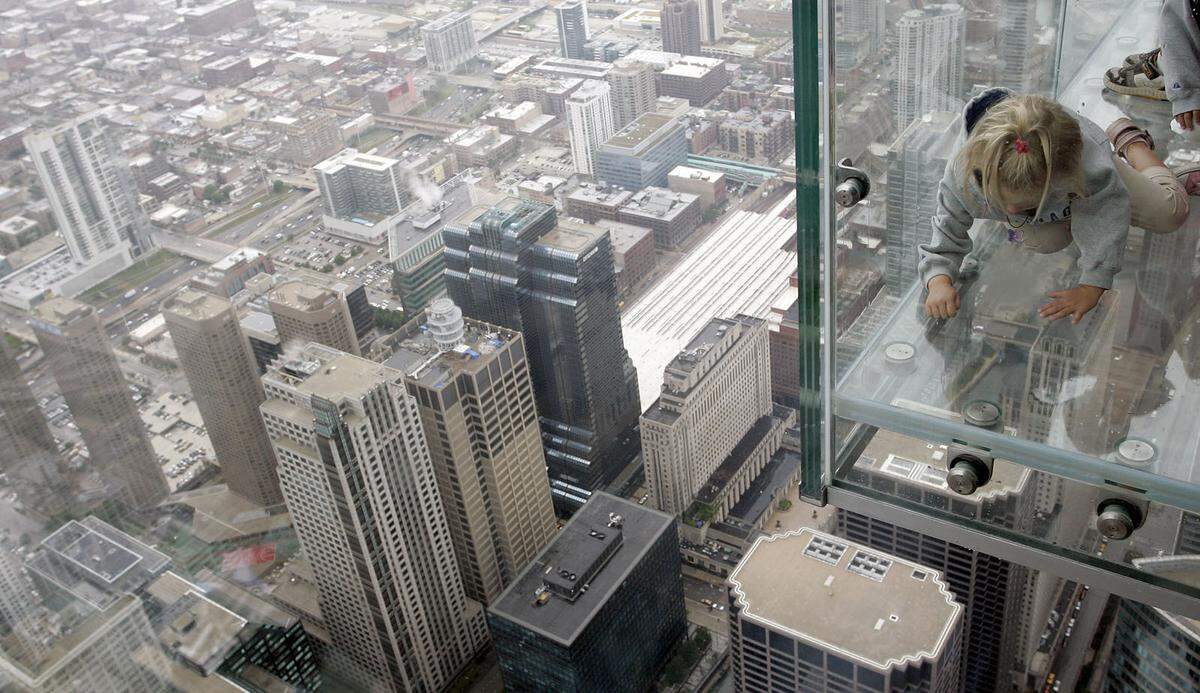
x: 1141, y: 77
x: 1189, y: 177
x: 1123, y: 132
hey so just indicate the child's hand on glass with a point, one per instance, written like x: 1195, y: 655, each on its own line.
x: 943, y: 299
x: 1073, y: 302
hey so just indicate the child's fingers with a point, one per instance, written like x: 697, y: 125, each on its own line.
x: 957, y: 301
x: 1077, y: 316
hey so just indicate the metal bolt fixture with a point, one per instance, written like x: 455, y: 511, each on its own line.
x: 1117, y: 518
x: 852, y: 184
x: 968, y: 469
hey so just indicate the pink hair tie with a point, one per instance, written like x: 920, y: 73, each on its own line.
x: 1021, y: 146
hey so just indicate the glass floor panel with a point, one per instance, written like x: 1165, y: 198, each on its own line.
x: 1113, y: 400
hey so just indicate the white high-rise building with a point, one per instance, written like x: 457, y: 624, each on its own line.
x: 712, y: 20
x: 358, y: 479
x: 90, y: 189
x: 590, y: 114
x: 449, y: 42
x: 713, y: 392
x: 929, y: 62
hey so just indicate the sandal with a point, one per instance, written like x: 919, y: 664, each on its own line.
x: 1189, y: 177
x: 1139, y: 78
x: 1123, y: 133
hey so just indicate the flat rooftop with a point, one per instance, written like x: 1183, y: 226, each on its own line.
x: 301, y: 296
x: 196, y: 305
x: 331, y: 374
x: 61, y: 311
x: 352, y: 158
x: 604, y: 195
x: 555, y: 617
x: 416, y: 353
x: 91, y: 552
x: 643, y: 129
x: 572, y: 236
x: 867, y: 606
x: 659, y: 203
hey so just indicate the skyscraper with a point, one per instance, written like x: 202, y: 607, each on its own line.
x: 871, y: 621
x: 357, y: 476
x: 81, y: 359
x: 24, y: 436
x: 306, y: 313
x: 679, y: 22
x: 600, y: 609
x: 573, y: 32
x: 633, y: 90
x: 517, y: 267
x: 449, y: 42
x: 1154, y: 649
x: 471, y: 382
x: 916, y: 161
x: 712, y: 20
x: 865, y: 17
x: 1022, y: 58
x: 590, y: 114
x: 90, y: 189
x: 713, y: 393
x: 223, y: 377
x: 993, y: 590
x: 19, y: 612
x: 929, y: 62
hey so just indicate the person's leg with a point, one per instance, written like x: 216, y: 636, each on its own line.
x: 1158, y: 199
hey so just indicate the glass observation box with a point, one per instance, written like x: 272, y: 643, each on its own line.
x: 1072, y: 448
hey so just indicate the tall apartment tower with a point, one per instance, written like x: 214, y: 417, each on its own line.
x: 994, y: 591
x: 871, y: 621
x: 309, y: 136
x: 916, y: 162
x: 712, y: 20
x: 90, y: 189
x: 516, y: 266
x: 82, y: 361
x: 354, y: 184
x: 573, y: 31
x: 865, y: 17
x: 929, y: 62
x: 1021, y: 64
x: 356, y: 473
x: 223, y: 376
x: 590, y: 115
x: 680, y: 25
x: 24, y: 436
x: 713, y: 393
x: 449, y: 42
x: 306, y: 313
x: 471, y: 382
x: 633, y: 90
x: 1154, y: 649
x: 600, y: 609
x: 19, y: 612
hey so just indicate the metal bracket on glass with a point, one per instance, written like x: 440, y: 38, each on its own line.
x: 853, y: 184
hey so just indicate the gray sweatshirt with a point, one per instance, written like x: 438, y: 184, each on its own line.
x: 1180, y: 62
x: 1099, y: 216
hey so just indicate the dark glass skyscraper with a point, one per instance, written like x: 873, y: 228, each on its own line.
x: 516, y: 266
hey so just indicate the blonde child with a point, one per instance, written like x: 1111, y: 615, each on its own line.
x: 1053, y: 177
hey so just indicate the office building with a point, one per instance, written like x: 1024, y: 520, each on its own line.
x: 309, y: 136
x: 1154, y: 650
x: 709, y: 186
x: 712, y: 20
x: 449, y: 42
x: 223, y: 377
x: 643, y: 152
x: 916, y: 161
x: 554, y: 282
x: 471, y: 383
x: 633, y: 253
x: 600, y: 609
x: 570, y: 68
x: 228, y: 71
x: 679, y: 22
x: 263, y: 338
x: 929, y: 62
x: 30, y: 449
x: 112, y: 650
x: 361, y: 190
x: 671, y: 215
x: 784, y: 326
x: 699, y: 79
x: 83, y: 364
x: 229, y: 275
x: 305, y: 312
x: 713, y: 393
x: 90, y: 188
x: 763, y: 136
x: 356, y: 473
x: 593, y: 203
x: 483, y: 146
x: 870, y: 621
x: 218, y: 17
x: 633, y: 90
x: 572, y: 19
x: 993, y: 591
x: 590, y: 116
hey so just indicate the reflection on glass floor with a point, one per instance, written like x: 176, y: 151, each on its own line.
x: 1122, y: 388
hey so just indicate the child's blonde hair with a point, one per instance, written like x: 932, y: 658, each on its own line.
x: 1023, y: 143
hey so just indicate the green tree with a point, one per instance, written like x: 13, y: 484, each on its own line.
x: 339, y: 260
x: 278, y: 187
